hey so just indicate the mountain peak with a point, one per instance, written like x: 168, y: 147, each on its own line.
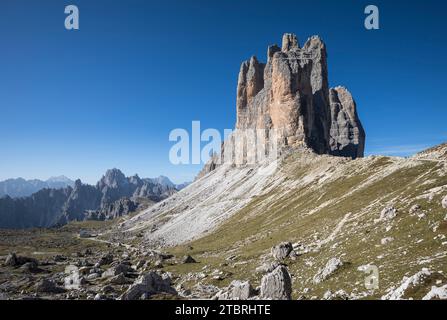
x: 290, y: 95
x: 113, y: 178
x: 21, y: 187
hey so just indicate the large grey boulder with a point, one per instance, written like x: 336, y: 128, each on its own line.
x: 149, y: 284
x: 237, y: 290
x: 30, y: 267
x: 48, y: 286
x: 14, y: 260
x: 282, y: 250
x: 277, y: 285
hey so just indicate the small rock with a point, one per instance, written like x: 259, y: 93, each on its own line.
x: 158, y: 264
x: 93, y: 276
x: 120, y: 280
x: 48, y: 286
x: 85, y: 234
x: 386, y: 240
x: 100, y: 296
x: 148, y: 284
x: 237, y: 290
x: 444, y: 202
x: 108, y: 289
x: 105, y: 259
x: 188, y: 259
x: 388, y: 213
x: 85, y: 270
x: 84, y: 263
x: 116, y: 270
x: 338, y: 295
x: 331, y: 266
x: 30, y: 267
x: 415, y: 208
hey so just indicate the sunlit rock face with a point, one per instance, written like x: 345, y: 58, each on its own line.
x: 289, y: 96
x: 290, y: 93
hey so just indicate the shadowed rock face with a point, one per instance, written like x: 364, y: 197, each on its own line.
x: 347, y: 137
x: 110, y: 198
x: 290, y: 93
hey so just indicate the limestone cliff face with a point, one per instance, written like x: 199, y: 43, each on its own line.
x: 290, y: 93
x: 347, y: 137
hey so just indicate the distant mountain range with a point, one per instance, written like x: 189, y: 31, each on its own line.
x: 20, y: 187
x: 114, y: 195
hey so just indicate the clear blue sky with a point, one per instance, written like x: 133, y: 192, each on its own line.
x: 80, y: 102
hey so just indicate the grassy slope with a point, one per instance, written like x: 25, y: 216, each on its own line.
x: 45, y: 243
x: 290, y: 214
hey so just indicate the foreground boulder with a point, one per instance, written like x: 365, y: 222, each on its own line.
x: 282, y: 251
x: 436, y: 293
x: 237, y: 290
x: 277, y: 285
x: 48, y: 286
x: 149, y: 284
x: 30, y: 267
x: 14, y: 260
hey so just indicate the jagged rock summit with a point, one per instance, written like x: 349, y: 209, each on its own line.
x: 290, y: 93
x: 113, y: 196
